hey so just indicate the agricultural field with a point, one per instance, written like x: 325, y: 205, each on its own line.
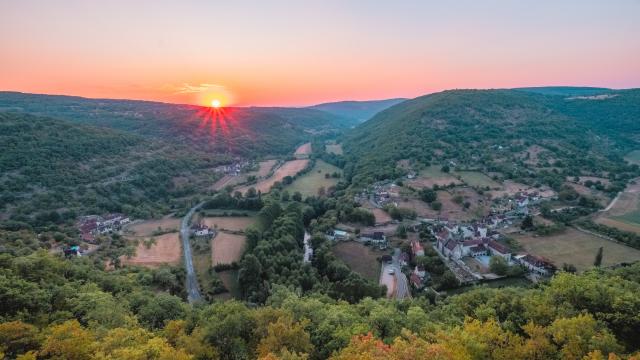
x: 303, y: 151
x: 624, y: 213
x: 359, y: 258
x: 227, y: 248
x: 164, y: 249
x: 478, y: 205
x: 577, y: 248
x: 229, y: 223
x: 475, y: 178
x: 149, y: 227
x: 431, y: 176
x: 511, y: 188
x: 289, y: 168
x: 633, y: 157
x: 334, y: 149
x: 264, y: 168
x: 309, y: 183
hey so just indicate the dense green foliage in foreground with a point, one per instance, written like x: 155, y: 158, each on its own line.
x: 71, y: 309
x: 493, y: 131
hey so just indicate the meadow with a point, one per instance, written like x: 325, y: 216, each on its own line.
x: 359, y: 258
x: 309, y: 183
x: 577, y: 248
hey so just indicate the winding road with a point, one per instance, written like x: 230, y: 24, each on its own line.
x: 193, y: 289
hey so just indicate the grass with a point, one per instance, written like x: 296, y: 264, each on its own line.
x: 334, y: 149
x: 577, y: 248
x: 631, y: 218
x: 309, y: 183
x: 633, y: 157
x: 475, y: 178
x: 359, y: 258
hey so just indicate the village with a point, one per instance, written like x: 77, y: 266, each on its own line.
x: 466, y: 247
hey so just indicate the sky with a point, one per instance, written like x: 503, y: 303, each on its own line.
x: 295, y: 53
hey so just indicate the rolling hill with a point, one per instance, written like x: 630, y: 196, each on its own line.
x: 52, y: 168
x: 232, y: 130
x: 525, y: 135
x: 359, y: 111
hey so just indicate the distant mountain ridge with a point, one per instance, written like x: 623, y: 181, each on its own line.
x: 360, y: 111
x: 235, y: 130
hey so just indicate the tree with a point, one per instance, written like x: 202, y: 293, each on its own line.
x: 445, y: 169
x: 17, y: 337
x: 527, y: 223
x: 598, y: 261
x: 428, y: 195
x: 498, y: 265
x: 68, y: 341
x: 297, y: 196
x: 436, y: 205
x: 284, y: 334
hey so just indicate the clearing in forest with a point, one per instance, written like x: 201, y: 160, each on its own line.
x: 334, y: 149
x: 359, y: 258
x: 303, y: 151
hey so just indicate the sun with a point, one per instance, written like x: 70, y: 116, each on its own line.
x: 215, y: 103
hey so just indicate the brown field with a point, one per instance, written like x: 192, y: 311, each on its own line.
x: 146, y: 228
x: 359, y: 258
x: 265, y: 168
x: 577, y: 248
x: 334, y: 149
x: 304, y: 149
x: 290, y: 168
x: 381, y: 216
x: 227, y: 248
x: 231, y: 223
x: 583, y: 179
x: 166, y: 250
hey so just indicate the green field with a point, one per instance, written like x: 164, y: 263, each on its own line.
x: 475, y: 178
x: 577, y: 248
x: 632, y: 218
x: 359, y: 258
x: 633, y: 157
x: 334, y: 149
x: 309, y: 183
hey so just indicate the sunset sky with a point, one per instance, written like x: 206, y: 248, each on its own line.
x: 305, y: 52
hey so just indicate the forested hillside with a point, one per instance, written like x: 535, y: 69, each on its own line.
x: 238, y: 131
x: 522, y: 135
x: 54, y: 170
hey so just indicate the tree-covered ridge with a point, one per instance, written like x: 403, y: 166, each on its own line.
x: 238, y: 131
x: 494, y: 130
x: 54, y: 170
x: 57, y: 308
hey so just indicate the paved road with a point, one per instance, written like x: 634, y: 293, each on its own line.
x: 308, y: 250
x: 397, y: 284
x: 193, y: 289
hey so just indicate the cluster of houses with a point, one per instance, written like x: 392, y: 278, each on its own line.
x: 201, y: 231
x: 93, y: 225
x: 518, y: 205
x: 455, y: 242
x: 380, y: 194
x: 233, y: 169
x: 376, y: 239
